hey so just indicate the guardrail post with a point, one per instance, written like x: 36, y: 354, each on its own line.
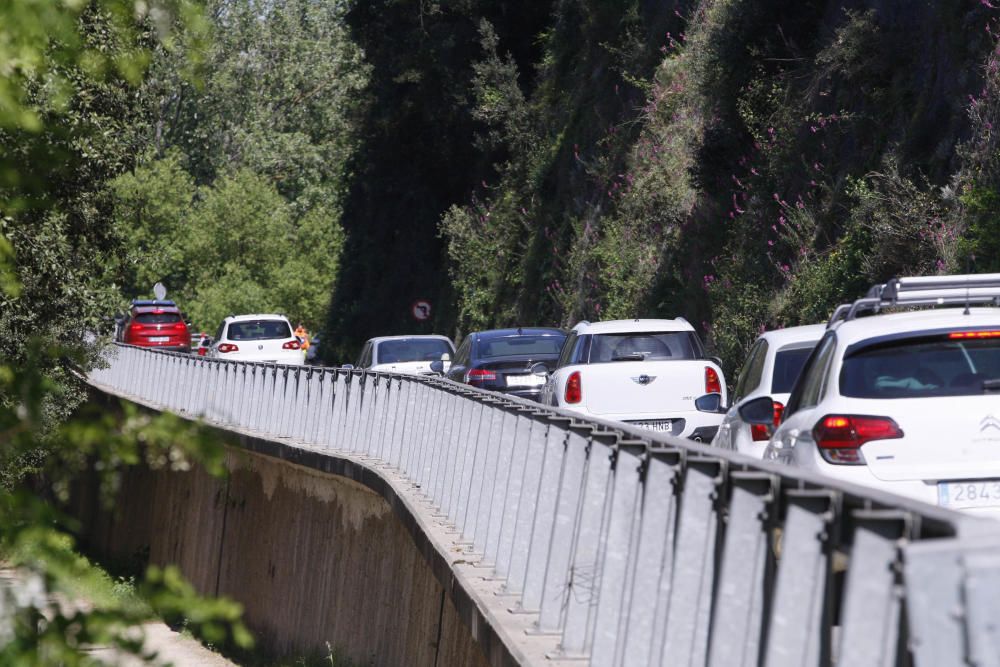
x: 488, y: 423
x: 650, y: 573
x: 688, y: 614
x: 503, y: 425
x: 800, y: 623
x: 417, y: 460
x: 982, y: 590
x: 355, y: 397
x: 527, y: 508
x: 616, y: 548
x: 338, y: 401
x: 433, y: 470
x: 557, y: 574
x: 584, y: 579
x: 935, y: 602
x: 745, y: 571
x: 401, y: 393
x: 465, y: 453
x: 870, y: 618
x: 502, y: 549
x: 495, y: 481
x: 544, y: 515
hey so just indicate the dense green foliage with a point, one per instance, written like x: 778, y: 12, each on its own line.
x: 785, y: 158
x: 743, y: 164
x: 236, y: 200
x: 67, y: 120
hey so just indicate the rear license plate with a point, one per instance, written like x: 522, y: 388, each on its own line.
x: 159, y: 339
x: 970, y: 493
x: 525, y: 380
x: 658, y: 425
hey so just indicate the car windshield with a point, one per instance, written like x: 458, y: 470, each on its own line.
x: 643, y: 346
x: 942, y: 365
x: 157, y: 318
x: 524, y: 345
x: 259, y: 330
x: 787, y: 366
x: 411, y: 349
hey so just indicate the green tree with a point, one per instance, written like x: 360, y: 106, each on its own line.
x: 67, y: 114
x: 237, y: 246
x: 236, y: 203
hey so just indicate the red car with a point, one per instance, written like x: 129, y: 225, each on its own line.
x: 158, y: 324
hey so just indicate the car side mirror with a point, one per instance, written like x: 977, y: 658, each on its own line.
x: 758, y: 411
x: 438, y: 366
x: 709, y: 403
x: 539, y: 369
x: 348, y: 367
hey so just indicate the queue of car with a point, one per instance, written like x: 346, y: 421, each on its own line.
x: 900, y: 390
x: 907, y: 401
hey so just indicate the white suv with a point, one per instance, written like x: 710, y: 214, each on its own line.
x: 771, y: 368
x: 649, y: 373
x: 266, y: 338
x: 908, y: 402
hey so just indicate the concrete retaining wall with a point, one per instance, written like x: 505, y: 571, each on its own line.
x: 313, y: 556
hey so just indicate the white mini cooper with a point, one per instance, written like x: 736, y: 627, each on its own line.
x: 649, y: 373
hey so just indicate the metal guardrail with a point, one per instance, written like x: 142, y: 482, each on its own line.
x: 630, y: 547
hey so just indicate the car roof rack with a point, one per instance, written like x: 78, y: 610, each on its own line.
x: 152, y: 302
x: 925, y: 291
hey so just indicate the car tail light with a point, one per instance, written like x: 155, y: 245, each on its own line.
x: 574, y: 388
x: 136, y: 326
x: 180, y: 326
x: 228, y: 347
x: 762, y: 432
x: 479, y: 375
x: 839, y: 437
x: 712, y: 384
x: 973, y: 334
x: 291, y: 345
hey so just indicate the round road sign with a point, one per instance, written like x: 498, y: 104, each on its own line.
x: 421, y: 310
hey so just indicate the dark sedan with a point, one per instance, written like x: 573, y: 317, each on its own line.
x: 501, y: 359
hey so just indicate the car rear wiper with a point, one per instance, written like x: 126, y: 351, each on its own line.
x: 632, y: 356
x: 990, y: 386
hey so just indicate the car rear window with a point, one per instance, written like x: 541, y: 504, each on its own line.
x: 411, y: 349
x: 788, y: 364
x: 644, y: 346
x: 157, y: 318
x: 259, y: 330
x: 930, y: 366
x: 523, y: 345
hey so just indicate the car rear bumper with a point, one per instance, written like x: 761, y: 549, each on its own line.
x: 294, y: 359
x: 923, y: 490
x: 531, y: 394
x: 687, y: 424
x: 170, y: 346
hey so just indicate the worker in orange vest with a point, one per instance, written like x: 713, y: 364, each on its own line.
x: 303, y: 336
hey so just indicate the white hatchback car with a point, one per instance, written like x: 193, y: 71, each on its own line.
x: 908, y: 402
x: 266, y: 338
x: 648, y: 373
x: 411, y: 355
x: 771, y: 369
